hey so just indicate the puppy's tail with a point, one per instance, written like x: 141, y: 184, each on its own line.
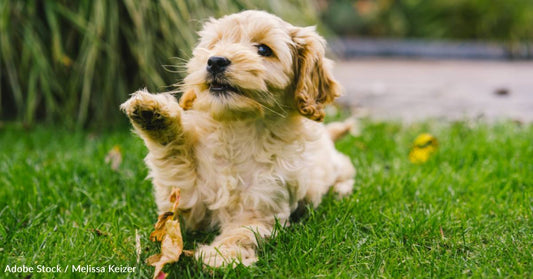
x: 337, y: 130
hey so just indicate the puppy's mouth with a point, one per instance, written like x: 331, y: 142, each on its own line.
x: 220, y: 87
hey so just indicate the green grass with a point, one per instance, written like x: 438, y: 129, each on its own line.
x: 466, y: 212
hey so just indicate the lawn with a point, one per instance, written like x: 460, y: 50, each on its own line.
x: 466, y: 212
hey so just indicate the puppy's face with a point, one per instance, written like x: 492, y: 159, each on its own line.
x: 253, y: 64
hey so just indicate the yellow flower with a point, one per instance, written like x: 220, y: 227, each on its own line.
x: 423, y: 147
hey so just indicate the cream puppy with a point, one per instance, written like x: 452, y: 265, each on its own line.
x: 245, y: 144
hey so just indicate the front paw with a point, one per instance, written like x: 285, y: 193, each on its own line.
x: 149, y: 111
x: 218, y: 256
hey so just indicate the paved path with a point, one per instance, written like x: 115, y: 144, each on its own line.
x: 411, y: 90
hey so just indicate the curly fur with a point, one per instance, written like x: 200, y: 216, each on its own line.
x: 244, y: 159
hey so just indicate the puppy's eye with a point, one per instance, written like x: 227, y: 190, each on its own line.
x: 264, y: 50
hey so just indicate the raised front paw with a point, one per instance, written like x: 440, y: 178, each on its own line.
x: 150, y: 111
x: 218, y: 256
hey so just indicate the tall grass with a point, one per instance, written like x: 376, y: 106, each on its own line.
x: 74, y: 62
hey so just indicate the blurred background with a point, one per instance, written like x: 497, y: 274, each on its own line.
x: 71, y: 63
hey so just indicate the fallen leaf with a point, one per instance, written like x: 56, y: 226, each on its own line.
x: 114, y: 157
x: 171, y: 247
x: 423, y: 147
x: 175, y: 199
x: 168, y: 231
x: 160, y: 228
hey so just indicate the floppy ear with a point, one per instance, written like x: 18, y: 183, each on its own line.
x: 187, y: 99
x: 315, y: 86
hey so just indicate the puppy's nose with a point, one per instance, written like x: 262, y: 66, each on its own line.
x: 217, y: 64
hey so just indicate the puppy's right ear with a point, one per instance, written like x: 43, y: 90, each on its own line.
x: 187, y: 99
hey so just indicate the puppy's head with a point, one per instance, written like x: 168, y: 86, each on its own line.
x: 253, y: 64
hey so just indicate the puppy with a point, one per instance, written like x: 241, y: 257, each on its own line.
x: 245, y: 144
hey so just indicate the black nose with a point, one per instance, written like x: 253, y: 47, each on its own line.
x: 217, y: 64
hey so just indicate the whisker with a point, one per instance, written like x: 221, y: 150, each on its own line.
x: 273, y: 99
x: 273, y: 111
x: 282, y: 114
x: 181, y: 59
x: 179, y: 70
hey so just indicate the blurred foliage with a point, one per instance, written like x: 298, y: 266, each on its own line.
x: 501, y: 20
x: 74, y: 62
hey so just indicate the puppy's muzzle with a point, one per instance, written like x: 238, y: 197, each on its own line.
x: 217, y: 64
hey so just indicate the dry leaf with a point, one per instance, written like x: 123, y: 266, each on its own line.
x: 168, y: 231
x: 160, y: 229
x: 171, y: 247
x: 114, y: 157
x: 175, y: 199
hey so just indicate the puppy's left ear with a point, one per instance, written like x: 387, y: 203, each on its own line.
x: 315, y: 86
x: 187, y: 99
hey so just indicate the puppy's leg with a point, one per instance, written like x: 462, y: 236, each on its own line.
x: 157, y: 120
x: 345, y: 175
x: 236, y: 244
x: 334, y: 170
x: 155, y: 117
